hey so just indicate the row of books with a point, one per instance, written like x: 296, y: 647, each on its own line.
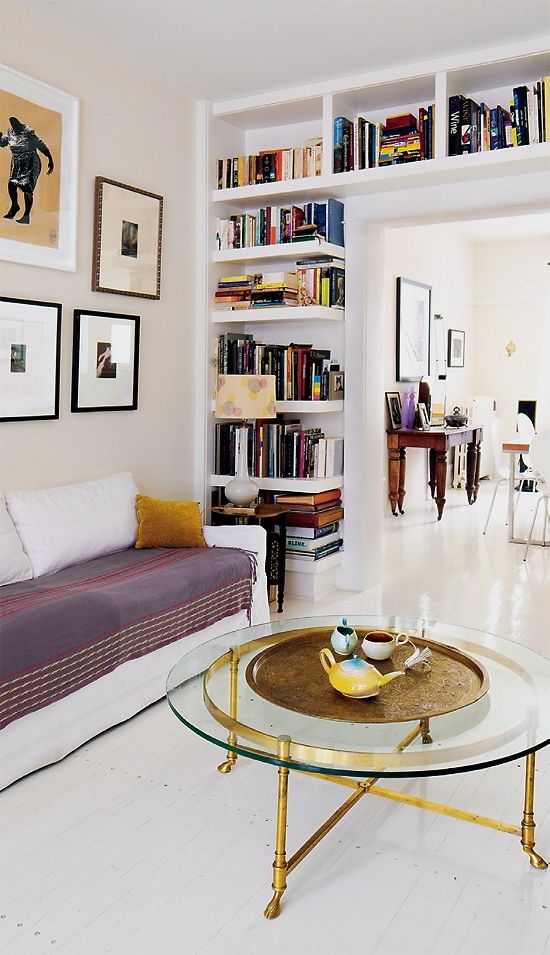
x: 310, y: 284
x: 278, y: 449
x: 362, y: 144
x: 271, y: 165
x: 302, y: 372
x: 273, y: 225
x: 477, y: 127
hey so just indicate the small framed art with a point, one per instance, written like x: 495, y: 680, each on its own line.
x: 393, y: 399
x: 127, y: 240
x: 423, y: 419
x: 30, y: 338
x: 105, y: 361
x: 456, y: 340
x: 335, y: 385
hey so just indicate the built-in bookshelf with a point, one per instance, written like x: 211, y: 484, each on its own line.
x: 286, y: 120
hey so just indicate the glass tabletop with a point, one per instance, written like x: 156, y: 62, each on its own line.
x: 481, y: 700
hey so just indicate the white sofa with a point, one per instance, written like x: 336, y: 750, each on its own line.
x: 42, y: 532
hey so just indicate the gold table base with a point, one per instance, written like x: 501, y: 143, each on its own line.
x: 283, y: 867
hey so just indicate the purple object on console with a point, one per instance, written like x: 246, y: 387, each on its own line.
x: 408, y: 409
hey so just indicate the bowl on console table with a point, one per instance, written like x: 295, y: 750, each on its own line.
x: 456, y: 419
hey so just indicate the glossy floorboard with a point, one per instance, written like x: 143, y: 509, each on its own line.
x: 135, y: 845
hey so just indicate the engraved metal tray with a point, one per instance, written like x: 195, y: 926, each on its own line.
x: 289, y: 674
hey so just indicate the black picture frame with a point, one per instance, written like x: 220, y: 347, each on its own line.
x: 413, y: 322
x: 456, y: 345
x: 105, y: 368
x: 30, y: 354
x: 393, y: 400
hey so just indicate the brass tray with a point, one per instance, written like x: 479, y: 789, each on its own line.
x: 289, y: 674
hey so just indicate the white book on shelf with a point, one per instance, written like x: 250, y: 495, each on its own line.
x: 334, y: 457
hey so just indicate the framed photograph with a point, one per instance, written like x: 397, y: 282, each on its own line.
x: 127, y: 240
x: 38, y: 172
x: 455, y: 348
x: 105, y: 361
x: 413, y: 330
x: 335, y: 385
x: 438, y: 351
x: 393, y: 399
x: 30, y: 340
x: 423, y: 418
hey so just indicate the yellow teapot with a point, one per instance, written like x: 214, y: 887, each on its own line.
x: 355, y: 678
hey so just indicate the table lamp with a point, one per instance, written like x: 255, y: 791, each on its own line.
x: 241, y: 398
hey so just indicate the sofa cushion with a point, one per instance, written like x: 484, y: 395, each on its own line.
x: 14, y: 563
x: 60, y: 526
x: 168, y: 523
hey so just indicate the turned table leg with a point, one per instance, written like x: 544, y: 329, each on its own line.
x: 441, y: 482
x: 478, y: 466
x: 394, y: 469
x: 402, y: 471
x: 433, y: 461
x: 471, y: 465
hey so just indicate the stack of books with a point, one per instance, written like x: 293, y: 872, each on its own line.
x: 276, y: 288
x: 320, y: 284
x: 302, y: 372
x: 313, y: 523
x: 276, y: 449
x: 477, y: 127
x: 400, y: 140
x: 234, y: 291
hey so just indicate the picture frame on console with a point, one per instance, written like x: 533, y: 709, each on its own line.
x: 105, y: 361
x: 127, y: 243
x: 30, y: 347
x: 413, y: 330
x: 393, y: 399
x: 39, y: 149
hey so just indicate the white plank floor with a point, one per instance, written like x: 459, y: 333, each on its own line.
x: 135, y: 845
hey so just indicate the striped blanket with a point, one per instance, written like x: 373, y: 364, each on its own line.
x: 61, y: 632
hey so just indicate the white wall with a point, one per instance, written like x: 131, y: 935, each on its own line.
x: 512, y: 303
x: 136, y: 131
x: 437, y: 256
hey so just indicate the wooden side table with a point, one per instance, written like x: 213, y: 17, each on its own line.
x: 273, y: 519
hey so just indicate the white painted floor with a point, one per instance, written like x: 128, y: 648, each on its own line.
x: 135, y: 845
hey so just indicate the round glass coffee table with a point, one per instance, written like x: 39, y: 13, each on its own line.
x: 476, y: 701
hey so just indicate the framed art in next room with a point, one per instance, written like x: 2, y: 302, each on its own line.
x: 127, y: 240
x: 105, y: 361
x: 413, y: 330
x: 30, y: 340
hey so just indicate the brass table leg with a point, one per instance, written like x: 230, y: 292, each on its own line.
x: 228, y: 763
x: 279, y: 863
x: 528, y: 822
x: 425, y: 730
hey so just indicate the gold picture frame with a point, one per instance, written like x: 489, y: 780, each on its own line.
x: 127, y: 240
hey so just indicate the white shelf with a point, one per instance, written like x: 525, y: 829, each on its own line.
x: 310, y: 407
x: 443, y: 171
x: 307, y: 485
x: 311, y: 566
x: 275, y: 313
x: 284, y: 250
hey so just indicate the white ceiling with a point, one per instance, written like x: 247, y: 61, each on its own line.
x: 224, y: 48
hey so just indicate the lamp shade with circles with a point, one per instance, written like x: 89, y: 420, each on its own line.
x: 241, y: 398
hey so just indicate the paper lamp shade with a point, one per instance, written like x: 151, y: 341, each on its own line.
x: 246, y: 396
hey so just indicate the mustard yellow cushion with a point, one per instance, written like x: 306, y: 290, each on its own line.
x: 168, y: 523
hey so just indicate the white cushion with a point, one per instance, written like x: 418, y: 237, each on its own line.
x: 14, y: 563
x: 61, y: 526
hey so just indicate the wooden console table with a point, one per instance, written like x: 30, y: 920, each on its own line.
x: 437, y: 441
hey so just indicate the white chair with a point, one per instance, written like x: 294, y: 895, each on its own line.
x: 539, y: 453
x: 501, y: 469
x: 525, y: 429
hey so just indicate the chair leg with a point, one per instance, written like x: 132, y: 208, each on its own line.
x: 532, y: 528
x: 492, y: 502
